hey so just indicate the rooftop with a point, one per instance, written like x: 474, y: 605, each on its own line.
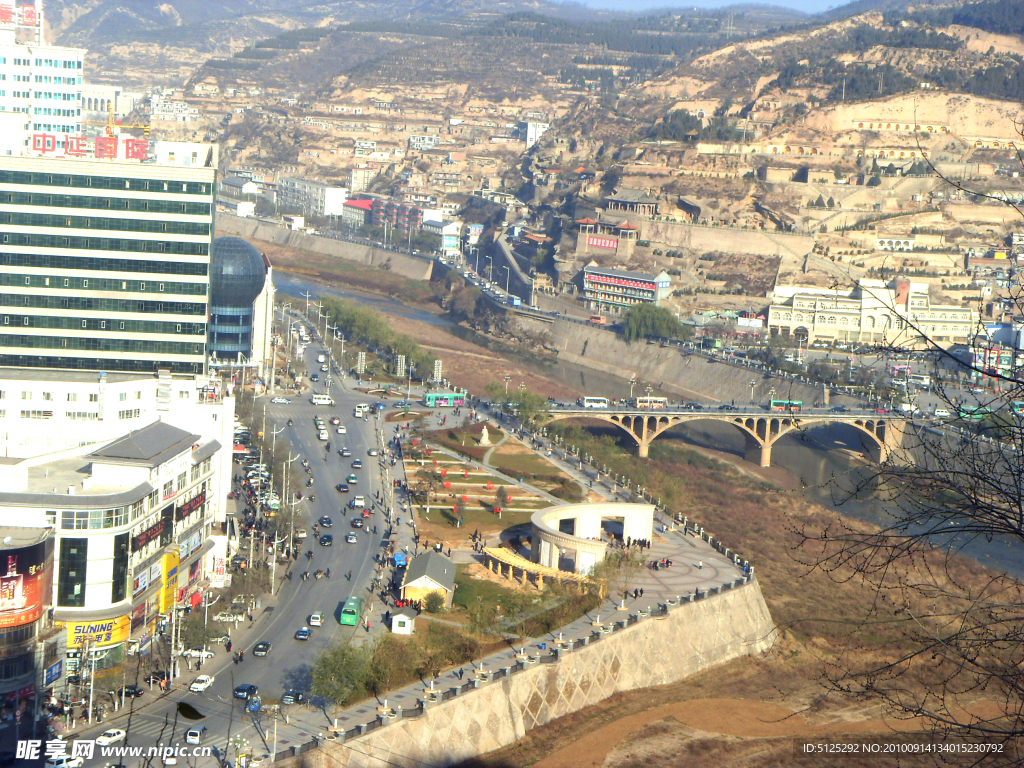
x: 621, y: 273
x: 364, y: 205
x: 12, y: 537
x: 627, y: 195
x: 434, y: 566
x: 152, y: 445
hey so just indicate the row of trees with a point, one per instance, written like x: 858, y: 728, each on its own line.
x: 370, y: 328
x: 644, y: 321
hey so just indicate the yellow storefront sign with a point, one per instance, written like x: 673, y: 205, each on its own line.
x: 99, y: 634
x: 170, y: 570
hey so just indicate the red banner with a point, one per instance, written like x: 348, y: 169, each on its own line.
x: 603, y: 242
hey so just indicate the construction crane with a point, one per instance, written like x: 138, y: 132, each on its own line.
x: 112, y: 123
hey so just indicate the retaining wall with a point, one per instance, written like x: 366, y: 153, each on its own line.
x: 645, y: 651
x: 725, y: 239
x: 253, y: 229
x: 690, y: 377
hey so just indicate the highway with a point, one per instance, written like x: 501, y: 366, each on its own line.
x: 155, y: 720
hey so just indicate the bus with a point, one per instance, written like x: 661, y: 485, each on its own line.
x: 595, y: 402
x: 922, y: 380
x: 973, y: 412
x: 443, y: 399
x: 1017, y: 407
x: 651, y: 403
x: 598, y: 320
x: 321, y: 400
x: 788, y: 406
x: 351, y: 611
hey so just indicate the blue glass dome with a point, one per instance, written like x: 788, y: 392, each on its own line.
x: 237, y: 273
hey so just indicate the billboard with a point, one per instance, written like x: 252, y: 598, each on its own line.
x: 28, y: 581
x: 170, y: 568
x: 99, y: 634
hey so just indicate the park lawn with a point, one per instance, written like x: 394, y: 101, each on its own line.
x: 465, y: 440
x: 469, y: 590
x: 521, y: 464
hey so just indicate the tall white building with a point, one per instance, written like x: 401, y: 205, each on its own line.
x: 43, y: 82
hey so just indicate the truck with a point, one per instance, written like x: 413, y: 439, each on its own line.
x: 598, y: 320
x: 909, y: 408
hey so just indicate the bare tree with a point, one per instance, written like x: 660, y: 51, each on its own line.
x: 950, y: 488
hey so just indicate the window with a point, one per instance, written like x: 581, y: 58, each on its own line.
x: 37, y: 414
x: 168, y: 488
x: 138, y: 395
x: 132, y: 413
x: 195, y: 473
x: 119, y: 582
x: 47, y: 395
x: 71, y: 574
x: 182, y: 481
x: 122, y: 396
x: 94, y: 397
x: 26, y: 395
x: 72, y: 397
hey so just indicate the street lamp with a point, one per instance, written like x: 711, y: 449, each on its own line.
x: 753, y: 383
x: 507, y: 380
x: 490, y: 264
x: 632, y: 383
x: 508, y: 275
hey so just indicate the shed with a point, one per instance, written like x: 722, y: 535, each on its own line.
x: 403, y: 621
x: 429, y: 572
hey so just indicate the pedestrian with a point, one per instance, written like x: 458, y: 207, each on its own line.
x: 461, y: 671
x: 636, y: 594
x: 641, y: 591
x: 700, y: 564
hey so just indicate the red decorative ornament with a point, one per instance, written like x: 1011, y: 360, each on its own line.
x: 444, y: 473
x: 447, y: 483
x: 490, y: 485
x: 465, y: 497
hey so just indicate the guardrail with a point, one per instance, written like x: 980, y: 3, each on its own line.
x: 558, y: 649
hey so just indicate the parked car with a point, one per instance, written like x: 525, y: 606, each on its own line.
x: 130, y: 691
x: 292, y: 697
x: 197, y: 653
x: 245, y: 691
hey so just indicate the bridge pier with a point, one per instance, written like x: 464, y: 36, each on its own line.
x: 757, y: 452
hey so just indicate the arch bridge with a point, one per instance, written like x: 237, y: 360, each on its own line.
x: 760, y: 429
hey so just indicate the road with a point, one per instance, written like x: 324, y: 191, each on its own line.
x: 289, y: 663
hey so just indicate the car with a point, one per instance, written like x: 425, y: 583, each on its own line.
x: 727, y: 407
x: 881, y: 410
x: 839, y: 409
x: 359, y: 501
x: 315, y: 377
x: 357, y: 464
x: 345, y: 452
x: 335, y: 420
x: 316, y: 620
x: 352, y: 480
x: 112, y: 736
x: 197, y: 653
x: 326, y: 540
x: 372, y: 452
x: 195, y: 735
x: 343, y: 488
x: 245, y: 691
x: 357, y: 522
x: 303, y: 634
x: 352, y: 539
x: 155, y: 678
x: 301, y: 533
x: 65, y: 761
x: 130, y: 691
x: 293, y: 697
x: 323, y: 435
x: 324, y: 369
x: 326, y: 522
x: 261, y: 648
x: 342, y: 430
x: 201, y: 683
x: 693, y: 407
x: 281, y: 401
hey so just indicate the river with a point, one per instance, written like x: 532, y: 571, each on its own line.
x: 823, y: 463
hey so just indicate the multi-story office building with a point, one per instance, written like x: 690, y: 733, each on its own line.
x: 615, y: 289
x: 900, y: 312
x: 313, y: 197
x: 43, y: 82
x: 104, y: 264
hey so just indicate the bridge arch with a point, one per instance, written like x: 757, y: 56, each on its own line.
x: 760, y: 431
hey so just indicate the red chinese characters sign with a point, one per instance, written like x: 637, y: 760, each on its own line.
x: 103, y: 147
x: 22, y: 16
x: 620, y: 282
x: 603, y: 242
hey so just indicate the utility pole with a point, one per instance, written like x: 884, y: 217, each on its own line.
x: 307, y: 296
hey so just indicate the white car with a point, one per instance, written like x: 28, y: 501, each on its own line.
x: 201, y: 683
x: 65, y: 761
x: 342, y: 430
x: 301, y: 533
x: 316, y: 620
x: 281, y: 401
x: 197, y: 653
x: 195, y: 735
x: 112, y: 736
x: 359, y: 501
x: 324, y: 436
x: 372, y: 452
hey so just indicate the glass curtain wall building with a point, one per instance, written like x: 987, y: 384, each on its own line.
x: 104, y: 264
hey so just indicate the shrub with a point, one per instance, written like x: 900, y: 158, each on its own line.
x: 434, y: 602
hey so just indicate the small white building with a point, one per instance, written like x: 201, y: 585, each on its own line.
x: 403, y: 621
